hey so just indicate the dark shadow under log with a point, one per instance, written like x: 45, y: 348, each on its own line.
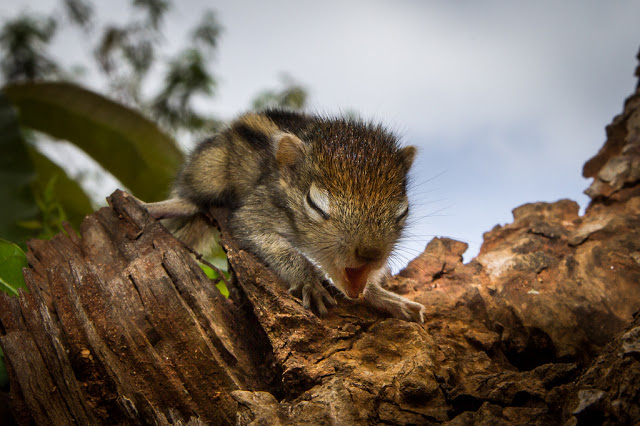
x: 122, y: 326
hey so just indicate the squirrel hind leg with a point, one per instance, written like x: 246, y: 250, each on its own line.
x: 171, y: 208
x: 185, y: 221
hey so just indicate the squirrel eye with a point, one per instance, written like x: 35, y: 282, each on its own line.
x: 403, y: 211
x: 318, y: 201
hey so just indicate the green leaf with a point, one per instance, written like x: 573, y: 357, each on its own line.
x: 221, y: 286
x: 213, y: 275
x: 12, y: 260
x: 16, y: 177
x: 66, y: 192
x: 123, y: 141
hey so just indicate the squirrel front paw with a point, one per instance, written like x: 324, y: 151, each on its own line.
x: 394, y: 304
x: 407, y: 310
x: 313, y: 293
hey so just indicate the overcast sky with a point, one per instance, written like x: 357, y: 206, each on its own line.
x: 505, y: 100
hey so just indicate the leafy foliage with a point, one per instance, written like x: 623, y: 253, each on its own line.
x: 291, y: 96
x: 57, y: 193
x: 17, y: 175
x: 124, y: 142
x: 186, y: 77
x: 154, y: 8
x: 125, y: 54
x: 79, y: 12
x: 12, y: 260
x: 51, y: 212
x: 25, y: 38
x: 38, y: 192
x: 208, y: 31
x: 214, y: 275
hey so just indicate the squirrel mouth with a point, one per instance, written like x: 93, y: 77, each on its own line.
x: 356, y: 280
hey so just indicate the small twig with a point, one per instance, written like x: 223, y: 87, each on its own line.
x: 201, y: 259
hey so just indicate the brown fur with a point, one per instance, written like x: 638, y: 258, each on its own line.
x: 263, y: 166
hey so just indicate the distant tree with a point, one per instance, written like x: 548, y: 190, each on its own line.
x: 290, y: 95
x: 23, y: 42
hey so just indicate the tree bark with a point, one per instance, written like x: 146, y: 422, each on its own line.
x: 120, y: 325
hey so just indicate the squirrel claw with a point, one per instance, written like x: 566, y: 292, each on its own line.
x: 314, y: 294
x: 414, y: 312
x: 407, y: 310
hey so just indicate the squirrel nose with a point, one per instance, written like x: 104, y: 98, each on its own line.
x: 368, y: 254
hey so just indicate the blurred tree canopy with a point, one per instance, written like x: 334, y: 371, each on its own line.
x: 126, y: 122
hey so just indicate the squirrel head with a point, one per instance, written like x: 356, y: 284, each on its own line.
x: 345, y: 182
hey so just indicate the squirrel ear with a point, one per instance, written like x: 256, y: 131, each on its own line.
x: 289, y: 149
x: 408, y: 155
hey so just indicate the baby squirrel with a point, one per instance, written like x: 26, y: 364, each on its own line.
x: 312, y: 197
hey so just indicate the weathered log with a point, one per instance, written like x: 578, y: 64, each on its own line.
x: 122, y: 326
